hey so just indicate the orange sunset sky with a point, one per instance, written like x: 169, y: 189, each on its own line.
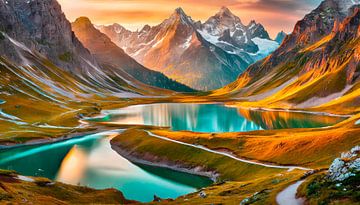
x: 275, y: 15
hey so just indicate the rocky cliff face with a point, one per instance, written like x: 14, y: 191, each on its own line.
x: 115, y: 61
x: 42, y: 27
x: 228, y: 28
x: 280, y: 37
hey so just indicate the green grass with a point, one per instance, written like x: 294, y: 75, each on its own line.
x: 140, y: 145
x: 260, y: 191
x: 320, y: 190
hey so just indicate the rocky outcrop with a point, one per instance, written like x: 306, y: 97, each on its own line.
x: 42, y: 27
x: 280, y: 37
x: 346, y: 166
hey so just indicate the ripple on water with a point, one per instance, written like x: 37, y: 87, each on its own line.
x: 2, y: 102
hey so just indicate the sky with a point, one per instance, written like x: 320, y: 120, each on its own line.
x: 275, y: 15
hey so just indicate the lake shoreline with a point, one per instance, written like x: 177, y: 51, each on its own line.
x: 9, y: 145
x: 199, y: 171
x: 54, y: 140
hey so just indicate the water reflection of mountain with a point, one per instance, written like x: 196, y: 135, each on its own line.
x: 215, y: 118
x: 283, y: 120
x: 195, y: 117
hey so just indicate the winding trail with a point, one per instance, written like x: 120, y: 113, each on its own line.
x: 290, y: 168
x: 288, y: 195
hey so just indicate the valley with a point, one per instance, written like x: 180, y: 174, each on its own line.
x: 182, y: 112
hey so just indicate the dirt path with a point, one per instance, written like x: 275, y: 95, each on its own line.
x: 288, y: 195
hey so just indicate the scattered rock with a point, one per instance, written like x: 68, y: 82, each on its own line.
x: 202, y: 194
x: 157, y: 199
x: 346, y: 166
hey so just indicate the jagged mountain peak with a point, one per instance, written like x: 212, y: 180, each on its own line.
x: 179, y: 15
x: 225, y: 11
x: 252, y: 22
x: 146, y: 28
x: 179, y: 11
x: 280, y: 37
x: 225, y: 15
x: 221, y: 21
x: 319, y: 22
x: 118, y: 28
x: 340, y: 5
x: 192, y: 52
x: 257, y: 30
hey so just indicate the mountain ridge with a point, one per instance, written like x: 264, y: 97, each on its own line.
x: 176, y: 47
x: 114, y: 58
x: 312, y: 74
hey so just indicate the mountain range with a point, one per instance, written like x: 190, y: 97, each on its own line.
x: 114, y: 59
x: 204, y: 56
x: 40, y: 29
x: 317, y: 65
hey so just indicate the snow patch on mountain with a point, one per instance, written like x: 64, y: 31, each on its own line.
x: 187, y: 42
x: 265, y: 47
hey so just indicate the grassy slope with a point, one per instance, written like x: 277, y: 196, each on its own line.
x: 138, y: 144
x: 317, y: 189
x: 243, y: 180
x: 314, y: 148
x: 232, y: 193
x: 45, y: 94
x: 43, y: 191
x: 318, y: 70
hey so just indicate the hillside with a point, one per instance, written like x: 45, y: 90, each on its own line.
x: 113, y: 59
x: 313, y: 68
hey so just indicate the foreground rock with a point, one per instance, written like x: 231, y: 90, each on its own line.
x: 340, y: 185
x: 348, y: 165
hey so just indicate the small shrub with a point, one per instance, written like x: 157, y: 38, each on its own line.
x: 66, y: 57
x: 5, y: 196
x: 313, y: 189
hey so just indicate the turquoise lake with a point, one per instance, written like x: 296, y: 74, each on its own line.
x: 213, y: 118
x: 90, y: 161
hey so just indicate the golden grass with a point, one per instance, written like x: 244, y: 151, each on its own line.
x: 231, y: 193
x: 315, y: 148
x: 138, y: 144
x: 44, y: 192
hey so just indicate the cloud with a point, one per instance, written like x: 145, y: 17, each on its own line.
x: 276, y: 15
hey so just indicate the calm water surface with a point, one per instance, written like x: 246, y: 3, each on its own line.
x: 214, y: 118
x: 90, y: 161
